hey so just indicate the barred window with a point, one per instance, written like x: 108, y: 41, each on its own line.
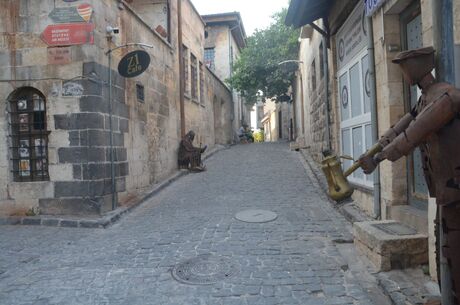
x: 201, y: 84
x: 29, y: 135
x: 186, y: 77
x: 209, y: 57
x: 313, y: 76
x: 140, y: 93
x: 194, y: 77
x: 321, y: 61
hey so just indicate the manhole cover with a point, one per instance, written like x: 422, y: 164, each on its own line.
x: 204, y: 270
x: 256, y: 216
x: 395, y: 228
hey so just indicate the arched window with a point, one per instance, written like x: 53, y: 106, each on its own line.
x: 29, y: 135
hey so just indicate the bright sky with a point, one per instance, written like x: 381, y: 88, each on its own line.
x: 255, y: 13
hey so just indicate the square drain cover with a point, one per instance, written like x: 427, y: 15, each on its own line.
x: 395, y: 228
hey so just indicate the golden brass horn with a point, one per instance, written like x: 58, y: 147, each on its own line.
x: 338, y: 186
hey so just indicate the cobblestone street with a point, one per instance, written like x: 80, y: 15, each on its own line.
x: 303, y: 257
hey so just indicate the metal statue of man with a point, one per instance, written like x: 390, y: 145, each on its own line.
x: 433, y: 125
x: 189, y: 156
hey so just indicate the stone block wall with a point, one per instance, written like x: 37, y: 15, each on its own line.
x: 88, y: 149
x: 218, y: 38
x: 315, y: 107
x: 146, y: 132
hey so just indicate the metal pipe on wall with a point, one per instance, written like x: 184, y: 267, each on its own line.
x: 445, y: 72
x: 181, y: 68
x: 374, y: 117
x: 112, y: 162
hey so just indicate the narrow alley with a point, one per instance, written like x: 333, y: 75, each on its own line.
x: 304, y: 256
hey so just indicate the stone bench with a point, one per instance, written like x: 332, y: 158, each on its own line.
x: 390, y: 245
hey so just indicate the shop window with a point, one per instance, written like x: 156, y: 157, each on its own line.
x: 29, y: 135
x: 209, y: 57
x: 194, y: 76
x: 354, y: 96
x: 201, y: 84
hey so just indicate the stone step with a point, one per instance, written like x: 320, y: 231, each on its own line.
x: 390, y: 245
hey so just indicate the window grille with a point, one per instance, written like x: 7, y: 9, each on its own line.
x: 209, y: 58
x: 29, y: 136
x: 201, y: 84
x: 313, y: 76
x: 140, y: 92
x: 194, y: 77
x: 186, y: 77
x: 321, y: 61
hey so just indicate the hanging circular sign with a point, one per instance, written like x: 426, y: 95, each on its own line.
x: 134, y: 63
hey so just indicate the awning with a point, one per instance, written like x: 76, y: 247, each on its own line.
x: 302, y: 12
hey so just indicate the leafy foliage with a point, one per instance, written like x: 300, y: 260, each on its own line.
x: 259, y: 136
x: 257, y: 69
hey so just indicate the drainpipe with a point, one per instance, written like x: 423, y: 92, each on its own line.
x: 181, y: 69
x: 112, y: 162
x: 326, y: 86
x: 445, y: 72
x: 374, y: 118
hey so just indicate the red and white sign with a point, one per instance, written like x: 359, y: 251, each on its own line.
x: 85, y: 10
x: 59, y: 56
x: 67, y: 34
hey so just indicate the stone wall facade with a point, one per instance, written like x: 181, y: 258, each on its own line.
x: 220, y: 29
x: 274, y: 113
x: 145, y: 109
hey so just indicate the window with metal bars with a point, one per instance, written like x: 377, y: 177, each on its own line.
x: 140, y: 93
x: 201, y: 84
x: 194, y: 77
x: 29, y: 135
x: 209, y: 57
x: 185, y: 72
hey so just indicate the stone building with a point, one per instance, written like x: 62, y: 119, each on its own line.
x: 336, y: 55
x: 66, y: 138
x: 226, y: 38
x: 277, y: 121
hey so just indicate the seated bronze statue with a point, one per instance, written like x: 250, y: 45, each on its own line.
x: 190, y: 156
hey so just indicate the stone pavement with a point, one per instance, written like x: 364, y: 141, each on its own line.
x: 303, y: 257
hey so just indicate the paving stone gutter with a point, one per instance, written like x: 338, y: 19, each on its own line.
x: 108, y: 218
x: 403, y: 287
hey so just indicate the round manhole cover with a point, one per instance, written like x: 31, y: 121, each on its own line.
x: 256, y: 216
x: 204, y: 270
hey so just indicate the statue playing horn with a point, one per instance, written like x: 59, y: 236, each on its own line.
x: 433, y: 125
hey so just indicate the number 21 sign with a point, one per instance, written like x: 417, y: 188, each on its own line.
x: 134, y: 63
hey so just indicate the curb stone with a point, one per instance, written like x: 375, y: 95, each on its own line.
x: 106, y: 219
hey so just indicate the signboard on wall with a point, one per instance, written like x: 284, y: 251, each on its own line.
x: 81, y: 13
x: 134, y: 63
x: 68, y: 34
x: 352, y: 37
x: 372, y: 6
x: 59, y: 56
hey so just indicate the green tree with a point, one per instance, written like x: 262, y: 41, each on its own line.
x: 257, y: 67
